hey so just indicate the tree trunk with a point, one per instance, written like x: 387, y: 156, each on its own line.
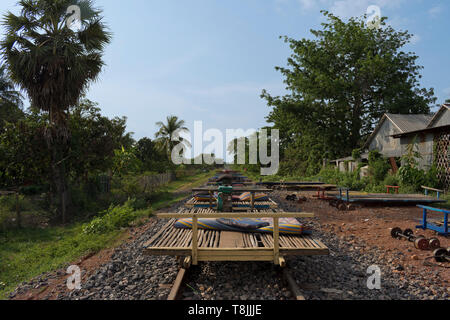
x: 59, y: 179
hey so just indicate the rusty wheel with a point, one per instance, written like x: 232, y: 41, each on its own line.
x: 422, y: 244
x: 434, y: 244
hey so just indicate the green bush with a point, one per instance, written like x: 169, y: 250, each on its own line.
x: 412, y: 176
x: 114, y: 218
x: 392, y: 180
x: 378, y: 167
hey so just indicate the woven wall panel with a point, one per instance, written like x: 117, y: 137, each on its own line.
x: 442, y: 157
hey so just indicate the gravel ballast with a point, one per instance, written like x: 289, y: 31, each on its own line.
x: 131, y: 275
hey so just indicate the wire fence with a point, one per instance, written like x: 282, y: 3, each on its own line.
x: 150, y: 183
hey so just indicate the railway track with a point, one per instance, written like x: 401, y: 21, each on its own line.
x: 179, y: 284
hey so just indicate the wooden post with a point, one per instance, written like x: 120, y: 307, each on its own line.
x: 252, y: 200
x: 210, y: 199
x: 195, y: 240
x: 276, y: 240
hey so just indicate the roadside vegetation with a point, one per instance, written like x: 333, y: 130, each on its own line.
x: 30, y: 251
x: 71, y: 180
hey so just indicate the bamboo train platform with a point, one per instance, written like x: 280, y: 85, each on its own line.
x: 196, y: 245
x: 259, y: 205
x: 384, y: 198
x: 244, y: 183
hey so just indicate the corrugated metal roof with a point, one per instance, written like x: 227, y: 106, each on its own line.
x: 438, y: 114
x: 410, y: 122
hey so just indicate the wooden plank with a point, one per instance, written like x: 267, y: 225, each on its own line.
x: 177, y: 284
x: 235, y: 190
x: 231, y: 240
x: 161, y: 251
x: 276, y: 240
x: 265, y: 252
x: 210, y: 199
x: 156, y: 236
x: 433, y: 189
x: 252, y: 200
x: 231, y: 258
x: 195, y: 241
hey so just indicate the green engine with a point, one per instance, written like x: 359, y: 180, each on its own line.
x: 225, y: 199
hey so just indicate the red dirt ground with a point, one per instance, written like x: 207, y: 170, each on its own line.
x: 373, y: 225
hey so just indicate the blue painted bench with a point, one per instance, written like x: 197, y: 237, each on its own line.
x: 442, y: 230
x: 427, y: 190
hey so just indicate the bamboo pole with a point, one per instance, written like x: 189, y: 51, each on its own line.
x: 195, y: 241
x: 276, y: 240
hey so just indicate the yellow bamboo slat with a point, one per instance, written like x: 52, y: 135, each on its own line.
x: 276, y: 239
x: 194, y: 241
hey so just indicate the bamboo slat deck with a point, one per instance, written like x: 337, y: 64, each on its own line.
x: 210, y: 245
x: 193, y: 203
x: 235, y: 190
x: 387, y: 198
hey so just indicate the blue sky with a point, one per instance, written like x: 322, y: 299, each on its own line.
x: 210, y: 59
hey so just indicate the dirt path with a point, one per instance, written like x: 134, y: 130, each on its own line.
x: 372, y: 226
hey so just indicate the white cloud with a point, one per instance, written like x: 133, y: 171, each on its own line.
x: 347, y: 8
x: 435, y: 11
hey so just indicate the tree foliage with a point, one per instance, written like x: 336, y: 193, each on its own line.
x: 169, y: 133
x: 10, y: 100
x: 94, y: 139
x: 54, y: 64
x: 340, y: 84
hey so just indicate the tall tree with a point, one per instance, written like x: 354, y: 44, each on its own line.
x: 341, y: 83
x: 94, y: 138
x: 54, y: 62
x: 168, y: 134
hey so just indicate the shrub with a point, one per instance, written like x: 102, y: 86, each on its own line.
x: 114, y: 218
x: 412, y: 176
x: 378, y: 166
x: 392, y: 180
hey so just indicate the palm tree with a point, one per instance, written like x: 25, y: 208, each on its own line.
x: 8, y: 94
x: 10, y: 100
x: 54, y: 64
x: 169, y: 132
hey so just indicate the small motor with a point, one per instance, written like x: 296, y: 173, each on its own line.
x: 225, y: 199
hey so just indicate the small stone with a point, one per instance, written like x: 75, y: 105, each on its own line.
x: 399, y: 268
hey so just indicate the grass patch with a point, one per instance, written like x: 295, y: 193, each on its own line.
x: 27, y: 253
